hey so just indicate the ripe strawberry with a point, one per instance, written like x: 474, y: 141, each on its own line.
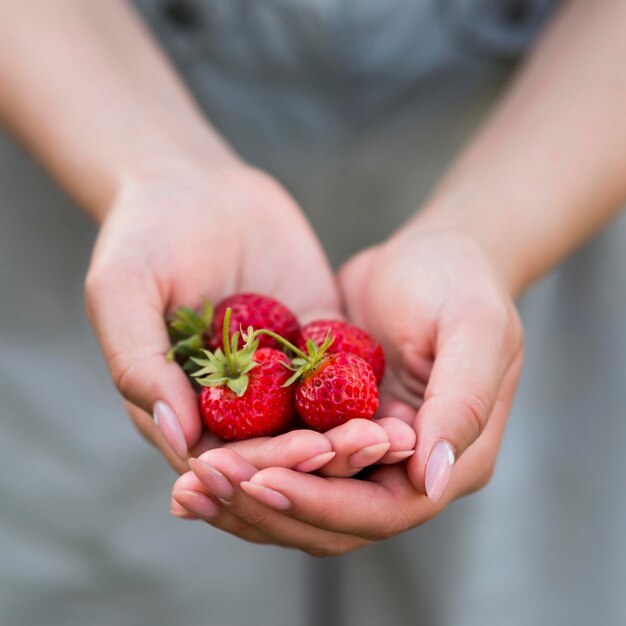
x: 250, y: 309
x: 346, y: 338
x: 333, y: 388
x: 340, y: 388
x: 244, y: 392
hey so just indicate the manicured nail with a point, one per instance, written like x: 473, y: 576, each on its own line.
x: 213, y: 480
x: 315, y: 462
x: 439, y: 470
x: 368, y: 455
x: 197, y: 503
x: 396, y: 457
x: 166, y: 420
x: 270, y: 497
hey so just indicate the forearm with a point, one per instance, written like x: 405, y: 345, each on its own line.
x: 89, y: 92
x: 548, y: 168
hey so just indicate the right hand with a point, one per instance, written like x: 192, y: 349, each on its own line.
x: 177, y: 238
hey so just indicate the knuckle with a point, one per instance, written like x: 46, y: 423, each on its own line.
x: 476, y: 408
x: 99, y: 277
x: 123, y: 373
x: 127, y: 374
x: 262, y: 521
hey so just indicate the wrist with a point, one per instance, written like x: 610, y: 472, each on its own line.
x: 498, y: 245
x: 181, y: 163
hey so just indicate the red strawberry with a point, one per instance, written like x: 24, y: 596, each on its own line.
x: 250, y: 309
x: 340, y: 388
x: 346, y: 338
x: 265, y: 408
x: 244, y: 394
x: 333, y: 388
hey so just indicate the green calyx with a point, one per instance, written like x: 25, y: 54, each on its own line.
x: 302, y: 363
x: 229, y: 366
x: 186, y: 329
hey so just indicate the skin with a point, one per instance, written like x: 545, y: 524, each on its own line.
x: 546, y: 170
x: 146, y: 262
x: 174, y: 203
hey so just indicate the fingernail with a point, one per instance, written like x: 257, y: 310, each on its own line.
x: 178, y: 511
x: 270, y: 497
x: 315, y: 462
x: 166, y: 420
x: 197, y: 503
x: 396, y: 457
x: 213, y: 480
x: 368, y: 455
x: 439, y: 470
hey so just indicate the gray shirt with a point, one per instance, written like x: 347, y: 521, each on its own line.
x: 357, y: 106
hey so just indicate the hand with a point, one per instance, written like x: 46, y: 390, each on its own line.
x: 177, y: 238
x: 454, y: 347
x: 453, y: 341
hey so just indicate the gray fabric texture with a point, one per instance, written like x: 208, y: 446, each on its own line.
x: 356, y: 106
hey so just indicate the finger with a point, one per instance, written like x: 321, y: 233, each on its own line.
x: 357, y: 444
x: 477, y: 465
x: 392, y: 406
x: 221, y: 473
x: 179, y: 511
x: 207, y: 441
x: 304, y: 450
x: 192, y: 499
x: 470, y: 364
x: 373, y: 509
x: 126, y: 310
x: 402, y: 439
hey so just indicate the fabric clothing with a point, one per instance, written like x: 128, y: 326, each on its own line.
x: 356, y: 106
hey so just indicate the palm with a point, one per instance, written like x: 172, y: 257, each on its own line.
x: 241, y: 232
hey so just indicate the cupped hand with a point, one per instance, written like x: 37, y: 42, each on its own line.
x: 453, y: 341
x: 176, y: 238
x: 454, y: 346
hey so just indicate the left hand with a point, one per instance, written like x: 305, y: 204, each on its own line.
x: 453, y: 341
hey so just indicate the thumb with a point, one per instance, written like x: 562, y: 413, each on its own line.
x: 126, y: 311
x: 470, y: 365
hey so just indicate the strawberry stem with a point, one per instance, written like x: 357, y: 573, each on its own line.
x: 285, y: 342
x: 226, y: 340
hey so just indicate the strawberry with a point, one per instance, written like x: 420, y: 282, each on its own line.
x: 347, y: 338
x: 333, y: 388
x: 340, y: 388
x: 244, y: 390
x: 250, y: 309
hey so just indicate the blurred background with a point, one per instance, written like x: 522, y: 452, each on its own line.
x: 356, y: 107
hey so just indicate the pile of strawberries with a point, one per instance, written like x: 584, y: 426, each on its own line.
x: 259, y: 372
